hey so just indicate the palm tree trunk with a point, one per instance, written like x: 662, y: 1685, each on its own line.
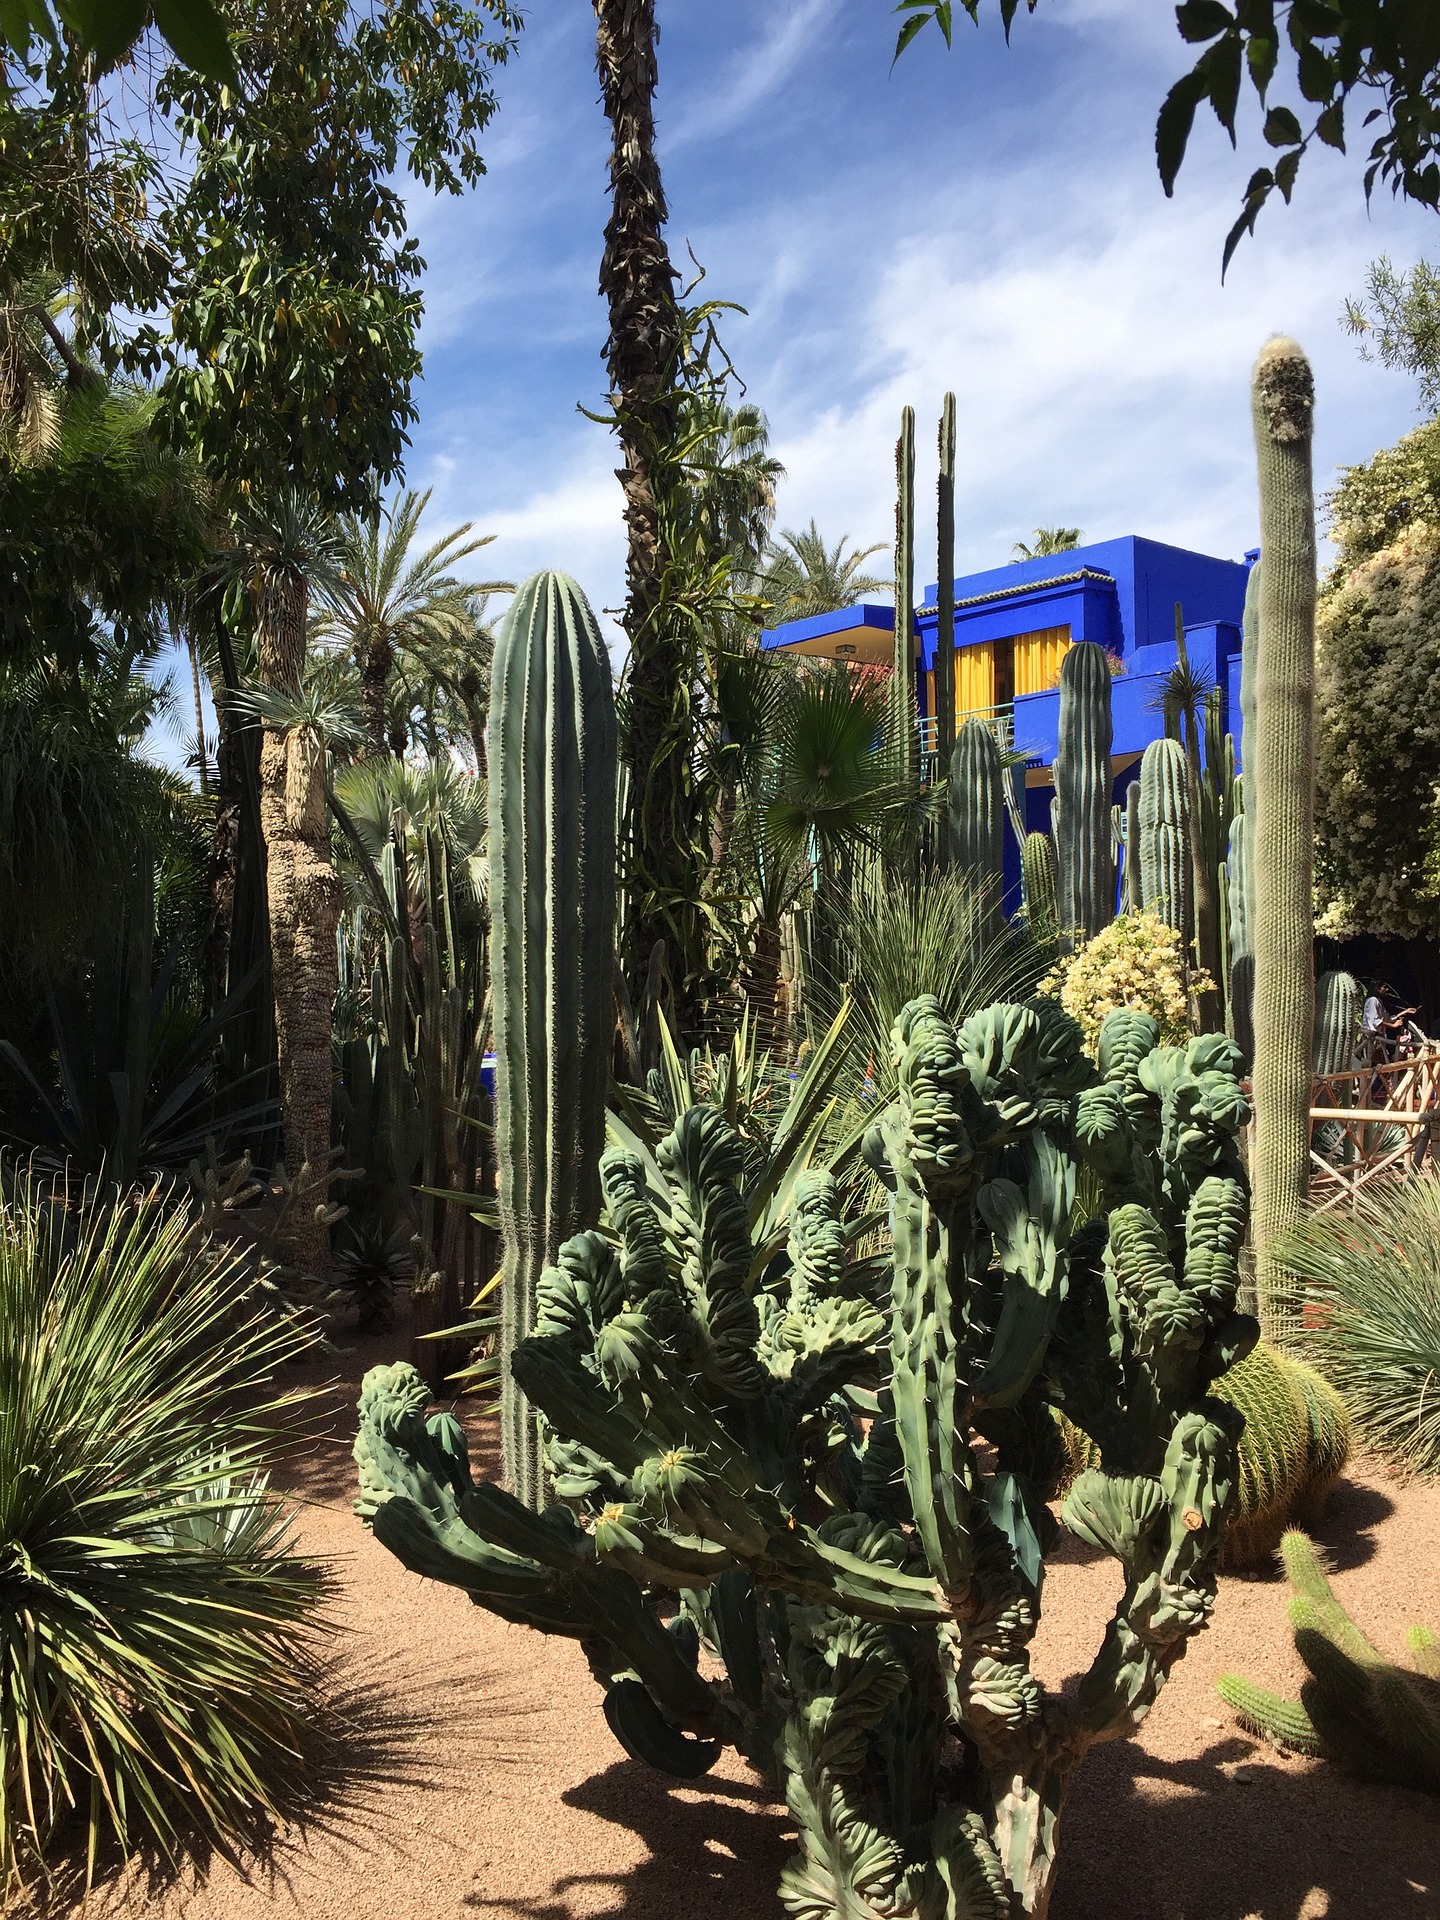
x: 375, y: 690
x: 194, y: 652
x: 304, y: 902
x: 638, y: 281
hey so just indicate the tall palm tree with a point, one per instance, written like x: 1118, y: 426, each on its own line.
x: 733, y: 476
x: 288, y: 548
x: 803, y: 576
x: 387, y: 601
x: 1047, y: 540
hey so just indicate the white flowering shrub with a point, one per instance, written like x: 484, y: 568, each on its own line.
x: 1137, y: 961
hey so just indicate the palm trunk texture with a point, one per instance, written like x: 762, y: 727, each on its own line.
x: 304, y: 903
x: 663, y: 876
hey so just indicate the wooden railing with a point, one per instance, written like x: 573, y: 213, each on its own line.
x: 1369, y: 1124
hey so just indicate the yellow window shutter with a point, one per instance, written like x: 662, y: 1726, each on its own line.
x: 975, y: 679
x: 1037, y: 658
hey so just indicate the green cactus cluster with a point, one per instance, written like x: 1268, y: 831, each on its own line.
x: 1339, y: 1006
x: 828, y: 1469
x: 1038, y: 881
x: 1166, y: 858
x: 976, y: 802
x: 1293, y: 1449
x: 1356, y: 1709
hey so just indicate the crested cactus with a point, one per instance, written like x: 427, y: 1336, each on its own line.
x: 1165, y: 835
x: 1356, y: 1709
x: 1339, y: 1005
x: 834, y: 1479
x: 1037, y: 876
x: 977, y: 813
x: 552, y: 752
x: 1082, y: 792
x: 1282, y: 756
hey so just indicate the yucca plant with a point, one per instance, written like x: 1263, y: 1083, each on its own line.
x: 159, y: 1634
x: 1367, y: 1312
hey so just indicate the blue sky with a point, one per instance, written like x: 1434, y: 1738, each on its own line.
x: 988, y: 220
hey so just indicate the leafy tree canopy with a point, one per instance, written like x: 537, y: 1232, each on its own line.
x: 1378, y: 738
x: 1397, y: 322
x: 293, y: 303
x: 1339, y: 53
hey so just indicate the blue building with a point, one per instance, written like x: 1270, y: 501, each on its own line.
x: 1014, y: 625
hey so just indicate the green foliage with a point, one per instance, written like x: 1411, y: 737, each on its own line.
x: 803, y: 576
x: 1397, y: 322
x: 552, y: 895
x: 123, y: 1080
x: 288, y: 351
x: 1379, y: 742
x: 97, y: 35
x: 1371, y: 1312
x: 701, y: 1364
x: 95, y: 527
x: 158, y: 1640
x: 1374, y: 1719
x: 1047, y: 541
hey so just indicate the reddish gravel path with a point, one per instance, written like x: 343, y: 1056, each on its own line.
x: 486, y: 1782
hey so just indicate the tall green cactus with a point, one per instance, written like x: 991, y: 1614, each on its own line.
x: 904, y: 713
x: 1375, y: 1719
x: 1082, y: 791
x: 834, y: 1479
x: 1282, y: 793
x: 1239, y: 897
x: 1339, y: 1006
x: 1037, y: 875
x: 1165, y: 835
x: 945, y: 591
x: 552, y: 752
x: 977, y: 813
x: 1133, y: 898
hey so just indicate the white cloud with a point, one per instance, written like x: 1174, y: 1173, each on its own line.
x: 752, y: 78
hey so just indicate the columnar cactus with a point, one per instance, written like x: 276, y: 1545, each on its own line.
x: 945, y: 591
x: 552, y: 751
x: 1339, y: 1006
x: 1082, y: 792
x: 1134, y: 888
x: 977, y: 812
x: 1281, y: 756
x: 1165, y: 835
x: 903, y: 708
x: 1375, y: 1719
x: 1239, y: 898
x: 1037, y: 876
x: 712, y: 1389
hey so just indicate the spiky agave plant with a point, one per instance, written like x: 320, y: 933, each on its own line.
x: 158, y: 1632
x: 1369, y: 1312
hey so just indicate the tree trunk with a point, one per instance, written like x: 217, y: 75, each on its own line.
x: 304, y: 900
x: 375, y: 690
x: 662, y: 858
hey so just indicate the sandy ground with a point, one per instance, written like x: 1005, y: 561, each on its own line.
x: 482, y: 1778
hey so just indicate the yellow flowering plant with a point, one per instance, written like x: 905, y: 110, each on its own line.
x: 1137, y: 961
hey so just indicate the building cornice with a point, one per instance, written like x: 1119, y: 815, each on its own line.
x: 1082, y: 574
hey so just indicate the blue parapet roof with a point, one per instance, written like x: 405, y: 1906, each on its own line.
x: 867, y: 626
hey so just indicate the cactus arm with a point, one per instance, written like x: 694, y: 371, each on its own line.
x: 1273, y: 1718
x: 1031, y: 1233
x: 646, y: 1735
x: 904, y: 712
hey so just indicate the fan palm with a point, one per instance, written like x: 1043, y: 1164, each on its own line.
x: 802, y: 576
x: 1047, y: 540
x: 387, y: 601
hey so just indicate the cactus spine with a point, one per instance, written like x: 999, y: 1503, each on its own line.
x: 977, y: 813
x: 903, y: 708
x: 552, y: 752
x: 1339, y: 1005
x: 1282, y: 755
x: 1165, y: 831
x: 1082, y: 792
x: 945, y: 590
x: 1356, y: 1709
